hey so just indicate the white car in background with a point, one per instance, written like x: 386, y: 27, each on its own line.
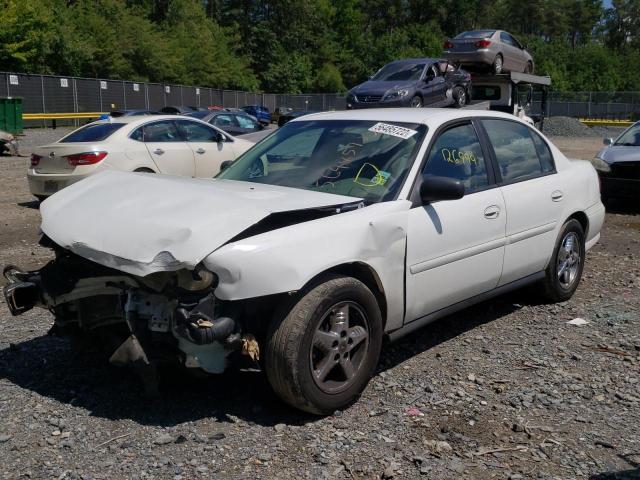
x: 337, y: 230
x: 154, y: 144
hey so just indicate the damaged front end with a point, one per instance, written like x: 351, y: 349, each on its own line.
x: 164, y: 317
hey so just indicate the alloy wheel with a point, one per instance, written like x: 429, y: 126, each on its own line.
x: 568, y: 261
x: 339, y: 347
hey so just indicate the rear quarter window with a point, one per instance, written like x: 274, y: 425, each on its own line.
x: 93, y: 133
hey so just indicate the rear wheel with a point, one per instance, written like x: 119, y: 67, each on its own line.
x: 321, y: 354
x: 416, y: 102
x: 564, y: 271
x: 459, y: 97
x: 497, y: 64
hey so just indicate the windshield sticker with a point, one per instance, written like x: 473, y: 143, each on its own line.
x: 379, y: 177
x: 458, y: 156
x: 393, y: 130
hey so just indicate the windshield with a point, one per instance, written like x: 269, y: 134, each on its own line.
x: 92, y: 133
x: 357, y: 158
x: 393, y: 72
x: 630, y: 137
x: 476, y: 34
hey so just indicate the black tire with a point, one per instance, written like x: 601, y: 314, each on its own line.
x: 459, y: 95
x: 416, y: 102
x: 41, y: 198
x: 291, y: 348
x: 555, y: 289
x: 498, y: 64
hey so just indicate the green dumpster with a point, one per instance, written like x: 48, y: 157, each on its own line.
x: 11, y: 115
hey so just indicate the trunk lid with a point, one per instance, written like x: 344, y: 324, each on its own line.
x: 53, y: 157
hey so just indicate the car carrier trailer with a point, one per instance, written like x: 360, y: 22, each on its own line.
x: 513, y: 93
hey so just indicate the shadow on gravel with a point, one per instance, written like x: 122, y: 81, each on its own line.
x: 621, y: 475
x: 622, y: 206
x: 35, y: 204
x: 49, y: 366
x: 453, y: 325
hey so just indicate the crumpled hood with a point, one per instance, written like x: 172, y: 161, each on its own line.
x: 620, y: 153
x: 379, y: 87
x: 141, y: 223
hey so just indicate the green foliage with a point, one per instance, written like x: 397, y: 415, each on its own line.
x: 308, y: 45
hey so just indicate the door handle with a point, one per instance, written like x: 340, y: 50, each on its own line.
x: 158, y: 151
x: 492, y: 212
x: 557, y: 195
x: 200, y: 150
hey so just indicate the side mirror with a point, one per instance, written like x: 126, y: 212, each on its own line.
x: 607, y: 141
x: 226, y: 164
x: 435, y: 188
x: 219, y: 137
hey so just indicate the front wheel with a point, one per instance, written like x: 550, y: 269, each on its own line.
x: 321, y: 354
x: 564, y: 271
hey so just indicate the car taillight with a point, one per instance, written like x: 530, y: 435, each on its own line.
x: 88, y: 158
x: 483, y: 43
x: 35, y: 159
x: 447, y: 45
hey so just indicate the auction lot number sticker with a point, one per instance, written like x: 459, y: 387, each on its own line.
x: 394, y: 130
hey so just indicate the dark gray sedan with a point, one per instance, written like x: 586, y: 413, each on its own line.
x: 413, y: 82
x: 618, y: 165
x: 496, y: 49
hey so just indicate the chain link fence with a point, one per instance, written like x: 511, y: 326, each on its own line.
x: 56, y: 94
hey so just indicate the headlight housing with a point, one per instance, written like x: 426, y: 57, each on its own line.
x: 600, y: 165
x: 396, y: 94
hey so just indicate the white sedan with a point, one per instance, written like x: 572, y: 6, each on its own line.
x: 153, y: 144
x: 337, y: 230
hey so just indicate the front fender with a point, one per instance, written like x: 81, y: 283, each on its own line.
x: 285, y: 259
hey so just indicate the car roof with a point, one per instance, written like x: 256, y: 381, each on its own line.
x: 144, y: 118
x: 427, y: 116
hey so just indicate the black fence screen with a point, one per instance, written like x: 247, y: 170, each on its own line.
x: 55, y: 94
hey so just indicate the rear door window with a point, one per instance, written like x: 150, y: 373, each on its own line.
x: 506, y: 38
x: 164, y: 131
x: 93, y: 133
x: 515, y: 150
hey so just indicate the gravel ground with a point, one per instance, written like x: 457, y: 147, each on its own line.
x: 571, y: 127
x: 506, y: 389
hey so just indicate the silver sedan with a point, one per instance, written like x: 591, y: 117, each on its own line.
x: 618, y: 165
x: 495, y: 48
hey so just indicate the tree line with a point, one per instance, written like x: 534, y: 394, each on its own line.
x: 293, y: 46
